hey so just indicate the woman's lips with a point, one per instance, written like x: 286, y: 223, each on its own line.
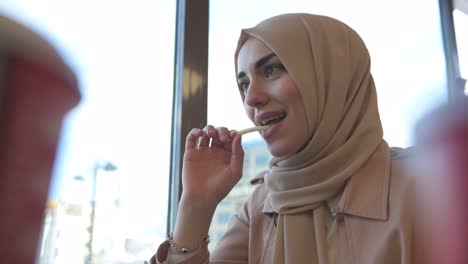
x: 272, y: 130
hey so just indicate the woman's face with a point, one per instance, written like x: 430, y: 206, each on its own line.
x: 271, y: 97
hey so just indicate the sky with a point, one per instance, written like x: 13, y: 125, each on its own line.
x: 123, y: 56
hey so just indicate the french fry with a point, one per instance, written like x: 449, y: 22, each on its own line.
x: 252, y: 129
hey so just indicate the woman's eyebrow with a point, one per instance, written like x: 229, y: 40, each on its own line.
x: 240, y: 75
x: 259, y: 63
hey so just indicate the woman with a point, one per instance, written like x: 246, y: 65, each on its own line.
x: 335, y: 192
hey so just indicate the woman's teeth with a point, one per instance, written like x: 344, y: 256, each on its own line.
x: 273, y: 119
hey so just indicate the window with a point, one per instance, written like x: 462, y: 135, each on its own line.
x: 112, y: 167
x: 407, y: 65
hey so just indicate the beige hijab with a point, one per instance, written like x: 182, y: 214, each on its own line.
x: 331, y: 67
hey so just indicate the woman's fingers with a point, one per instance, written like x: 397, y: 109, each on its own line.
x: 210, y: 136
x: 204, y: 140
x: 237, y: 158
x: 192, y: 138
x: 222, y: 138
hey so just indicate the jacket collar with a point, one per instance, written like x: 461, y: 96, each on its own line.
x: 366, y: 193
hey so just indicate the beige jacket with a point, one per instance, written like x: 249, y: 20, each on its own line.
x: 374, y: 220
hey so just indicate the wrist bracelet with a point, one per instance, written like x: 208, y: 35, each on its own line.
x: 204, y: 243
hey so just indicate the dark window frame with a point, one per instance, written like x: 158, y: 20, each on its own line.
x: 190, y: 88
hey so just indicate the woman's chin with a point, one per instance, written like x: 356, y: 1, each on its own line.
x: 284, y: 149
x: 278, y: 151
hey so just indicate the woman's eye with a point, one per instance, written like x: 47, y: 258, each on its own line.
x: 273, y: 70
x: 244, y: 86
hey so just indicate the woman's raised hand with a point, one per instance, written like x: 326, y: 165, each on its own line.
x: 212, y: 165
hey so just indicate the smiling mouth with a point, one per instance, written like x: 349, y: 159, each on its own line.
x: 273, y: 119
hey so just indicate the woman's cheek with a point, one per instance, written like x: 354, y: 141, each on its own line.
x: 250, y: 113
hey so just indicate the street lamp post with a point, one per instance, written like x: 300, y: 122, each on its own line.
x: 107, y: 166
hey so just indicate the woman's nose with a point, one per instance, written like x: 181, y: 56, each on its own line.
x: 256, y: 95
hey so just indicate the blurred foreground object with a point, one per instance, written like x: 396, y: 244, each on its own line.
x: 37, y: 89
x: 442, y: 142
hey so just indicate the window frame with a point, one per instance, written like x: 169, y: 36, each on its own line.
x: 190, y: 88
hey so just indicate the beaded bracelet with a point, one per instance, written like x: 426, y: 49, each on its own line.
x: 204, y: 243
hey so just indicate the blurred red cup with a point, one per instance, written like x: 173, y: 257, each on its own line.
x: 37, y: 90
x: 441, y: 139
